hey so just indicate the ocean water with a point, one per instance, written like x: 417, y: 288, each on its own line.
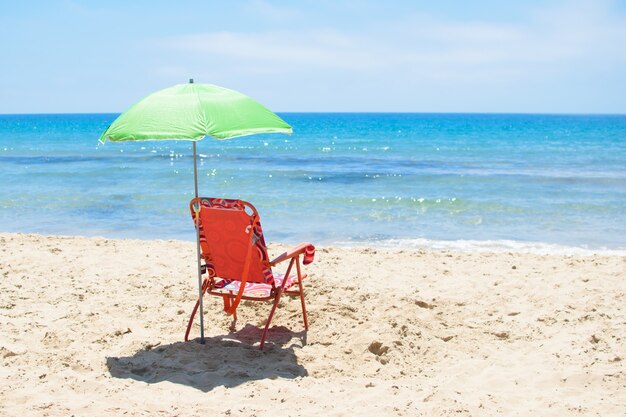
x: 442, y: 180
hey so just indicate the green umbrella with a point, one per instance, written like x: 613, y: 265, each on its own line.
x: 191, y: 112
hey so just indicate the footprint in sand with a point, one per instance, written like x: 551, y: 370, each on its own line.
x: 377, y: 348
x: 6, y: 353
x: 380, y: 350
x: 424, y: 304
x: 501, y: 335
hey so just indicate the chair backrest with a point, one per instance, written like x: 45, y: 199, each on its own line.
x: 225, y: 226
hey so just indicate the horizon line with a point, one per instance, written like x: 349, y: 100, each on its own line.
x: 362, y: 112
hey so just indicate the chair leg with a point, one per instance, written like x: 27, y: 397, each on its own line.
x: 226, y: 302
x: 205, y: 285
x: 269, y: 319
x: 193, y: 314
x: 276, y: 300
x: 306, y: 323
x: 301, y: 291
x: 233, y: 324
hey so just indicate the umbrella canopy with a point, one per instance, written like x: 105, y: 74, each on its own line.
x: 191, y: 112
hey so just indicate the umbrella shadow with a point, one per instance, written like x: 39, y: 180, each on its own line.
x: 227, y: 361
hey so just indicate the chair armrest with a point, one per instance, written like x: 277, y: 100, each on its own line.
x: 295, y: 251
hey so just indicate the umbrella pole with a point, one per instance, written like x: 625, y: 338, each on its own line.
x: 195, y: 179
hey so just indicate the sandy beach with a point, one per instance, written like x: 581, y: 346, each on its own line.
x: 94, y: 326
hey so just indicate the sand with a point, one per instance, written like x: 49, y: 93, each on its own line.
x: 93, y: 326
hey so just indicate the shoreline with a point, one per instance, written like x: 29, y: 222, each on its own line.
x: 430, y: 245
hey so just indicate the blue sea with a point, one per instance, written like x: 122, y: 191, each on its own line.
x: 439, y: 180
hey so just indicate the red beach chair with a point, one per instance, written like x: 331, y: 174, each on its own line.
x: 236, y: 261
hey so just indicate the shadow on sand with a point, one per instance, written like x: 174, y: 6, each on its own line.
x: 227, y: 361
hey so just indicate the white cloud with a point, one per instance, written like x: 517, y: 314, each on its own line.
x: 566, y: 58
x: 572, y: 34
x: 281, y: 50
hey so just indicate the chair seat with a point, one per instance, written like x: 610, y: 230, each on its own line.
x: 256, y: 289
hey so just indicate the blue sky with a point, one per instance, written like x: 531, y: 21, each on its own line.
x: 414, y: 56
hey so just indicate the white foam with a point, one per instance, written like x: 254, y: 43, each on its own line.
x: 494, y: 246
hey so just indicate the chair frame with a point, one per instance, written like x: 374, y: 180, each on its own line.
x: 292, y: 255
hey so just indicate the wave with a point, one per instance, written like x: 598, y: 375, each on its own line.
x: 492, y: 246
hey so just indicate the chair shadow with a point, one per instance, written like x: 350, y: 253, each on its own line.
x: 227, y: 361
